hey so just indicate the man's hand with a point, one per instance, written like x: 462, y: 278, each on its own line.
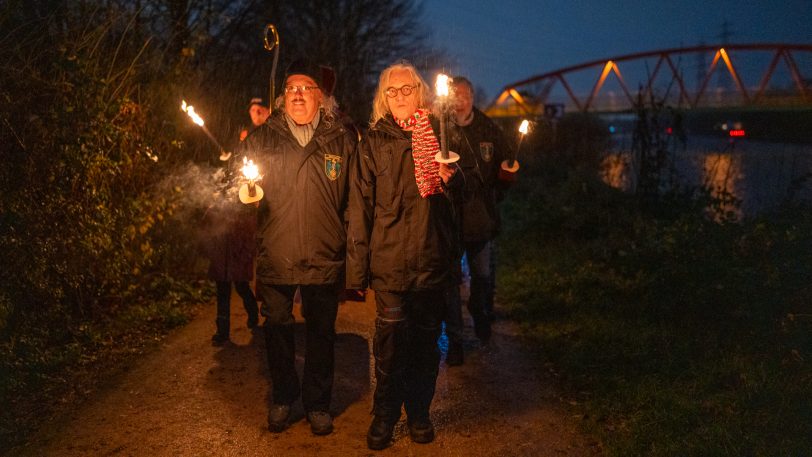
x: 447, y: 171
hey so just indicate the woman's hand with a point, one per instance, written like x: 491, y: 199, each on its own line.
x: 447, y: 171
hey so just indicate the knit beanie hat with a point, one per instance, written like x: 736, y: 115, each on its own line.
x: 322, y: 75
x: 304, y: 67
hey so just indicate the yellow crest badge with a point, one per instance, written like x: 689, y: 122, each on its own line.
x: 486, y: 150
x: 332, y: 166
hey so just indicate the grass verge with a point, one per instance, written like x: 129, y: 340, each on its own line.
x: 674, y: 335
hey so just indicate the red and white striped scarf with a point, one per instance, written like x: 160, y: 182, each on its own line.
x: 424, y: 148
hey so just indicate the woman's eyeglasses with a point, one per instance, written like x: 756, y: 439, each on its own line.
x: 406, y: 90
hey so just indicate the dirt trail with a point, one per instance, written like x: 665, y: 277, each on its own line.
x: 191, y: 399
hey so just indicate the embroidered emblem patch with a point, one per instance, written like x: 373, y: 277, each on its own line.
x: 486, y: 150
x: 332, y: 166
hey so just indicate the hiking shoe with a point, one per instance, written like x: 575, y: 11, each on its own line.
x: 278, y: 416
x: 421, y: 431
x: 321, y: 423
x: 454, y: 357
x: 483, y: 331
x: 218, y: 339
x: 380, y: 433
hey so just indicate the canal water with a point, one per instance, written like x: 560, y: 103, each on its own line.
x: 759, y: 174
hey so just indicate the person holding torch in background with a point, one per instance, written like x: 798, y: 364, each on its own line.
x: 482, y: 148
x: 231, y: 246
x: 259, y: 112
x: 402, y: 242
x: 303, y: 152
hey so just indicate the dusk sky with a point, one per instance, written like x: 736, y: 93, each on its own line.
x: 500, y: 42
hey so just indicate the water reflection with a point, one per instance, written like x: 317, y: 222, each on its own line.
x: 755, y: 174
x: 721, y: 176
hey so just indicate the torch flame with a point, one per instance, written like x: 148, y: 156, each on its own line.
x: 249, y: 169
x: 441, y: 85
x: 190, y: 110
x: 524, y: 126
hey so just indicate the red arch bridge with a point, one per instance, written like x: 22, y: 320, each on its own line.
x: 712, y: 76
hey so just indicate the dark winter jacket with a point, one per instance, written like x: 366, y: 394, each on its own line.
x: 301, y: 232
x: 397, y: 239
x: 482, y: 148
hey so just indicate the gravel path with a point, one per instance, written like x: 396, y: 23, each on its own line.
x: 191, y: 399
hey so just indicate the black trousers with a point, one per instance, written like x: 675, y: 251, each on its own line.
x: 319, y: 308
x: 480, y: 301
x: 224, y: 303
x: 407, y: 326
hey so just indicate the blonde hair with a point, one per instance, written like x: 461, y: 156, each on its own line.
x: 380, y: 106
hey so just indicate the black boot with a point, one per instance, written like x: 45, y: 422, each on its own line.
x: 454, y: 357
x: 221, y: 337
x: 482, y: 328
x: 380, y: 433
x: 421, y: 430
x: 278, y: 416
x: 249, y: 302
x: 280, y: 349
x: 223, y: 320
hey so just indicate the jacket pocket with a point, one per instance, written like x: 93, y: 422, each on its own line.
x: 384, y: 179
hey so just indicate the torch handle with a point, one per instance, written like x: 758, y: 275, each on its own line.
x: 212, y: 138
x: 443, y: 133
x: 515, y: 154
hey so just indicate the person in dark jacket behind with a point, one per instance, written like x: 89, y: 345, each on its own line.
x: 303, y: 151
x: 230, y: 244
x: 259, y: 112
x: 482, y: 148
x: 402, y: 240
x: 230, y: 247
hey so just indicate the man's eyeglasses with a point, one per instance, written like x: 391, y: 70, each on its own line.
x: 406, y: 90
x: 300, y: 89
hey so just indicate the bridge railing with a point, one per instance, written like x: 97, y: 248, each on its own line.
x: 666, y: 80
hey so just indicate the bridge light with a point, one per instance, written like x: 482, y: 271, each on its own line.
x: 739, y: 133
x: 612, y: 129
x: 669, y: 130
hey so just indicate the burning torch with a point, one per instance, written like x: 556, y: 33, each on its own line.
x: 441, y: 86
x: 190, y: 110
x: 250, y: 191
x: 511, y: 165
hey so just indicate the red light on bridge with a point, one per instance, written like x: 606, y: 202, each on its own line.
x: 737, y: 133
x: 669, y: 130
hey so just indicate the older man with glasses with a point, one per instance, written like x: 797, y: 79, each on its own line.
x: 303, y: 152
